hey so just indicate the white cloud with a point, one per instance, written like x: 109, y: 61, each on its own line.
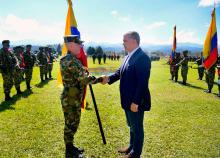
x: 116, y: 15
x: 155, y: 25
x: 16, y: 28
x: 186, y: 37
x: 206, y: 3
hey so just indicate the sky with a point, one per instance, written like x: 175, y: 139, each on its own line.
x: 106, y: 21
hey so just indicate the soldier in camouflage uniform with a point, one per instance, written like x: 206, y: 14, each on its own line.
x: 201, y: 68
x: 47, y: 64
x: 42, y: 61
x: 74, y: 77
x: 29, y: 60
x: 210, y: 77
x: 9, y: 67
x: 20, y: 57
x: 184, y: 66
x: 176, y: 68
x: 50, y: 62
x: 218, y: 67
x: 172, y: 66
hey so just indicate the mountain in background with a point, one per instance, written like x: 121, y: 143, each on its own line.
x: 166, y: 49
x: 118, y: 48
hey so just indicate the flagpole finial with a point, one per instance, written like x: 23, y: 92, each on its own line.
x: 69, y: 2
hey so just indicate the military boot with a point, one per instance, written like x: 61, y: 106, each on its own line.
x: 73, y: 152
x: 18, y: 89
x: 7, y: 97
x: 209, y: 90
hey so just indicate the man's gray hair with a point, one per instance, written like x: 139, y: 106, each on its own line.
x: 134, y: 35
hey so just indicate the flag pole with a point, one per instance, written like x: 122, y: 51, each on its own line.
x: 97, y: 114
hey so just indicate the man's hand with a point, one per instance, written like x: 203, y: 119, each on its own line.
x: 105, y: 79
x: 134, y: 107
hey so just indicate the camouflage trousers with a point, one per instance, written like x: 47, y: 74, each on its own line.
x: 184, y: 72
x: 10, y: 79
x: 201, y: 72
x: 175, y: 73
x: 72, y: 112
x: 172, y: 71
x: 42, y: 71
x: 210, y: 77
x: 46, y: 68
x: 50, y: 67
x: 18, y: 76
x: 28, y: 74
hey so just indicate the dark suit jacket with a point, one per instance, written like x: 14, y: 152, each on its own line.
x: 134, y: 81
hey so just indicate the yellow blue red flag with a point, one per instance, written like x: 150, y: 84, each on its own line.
x: 210, y: 48
x: 174, y: 45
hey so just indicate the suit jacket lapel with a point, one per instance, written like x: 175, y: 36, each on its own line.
x: 130, y: 62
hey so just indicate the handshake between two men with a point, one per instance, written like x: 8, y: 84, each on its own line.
x: 103, y: 79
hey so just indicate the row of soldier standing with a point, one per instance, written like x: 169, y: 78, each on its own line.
x: 14, y: 65
x: 45, y: 62
x: 112, y: 56
x: 177, y: 61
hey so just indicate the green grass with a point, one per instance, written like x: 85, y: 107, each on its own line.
x: 184, y: 121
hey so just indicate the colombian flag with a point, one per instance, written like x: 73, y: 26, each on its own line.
x: 210, y: 48
x: 71, y: 29
x: 174, y: 45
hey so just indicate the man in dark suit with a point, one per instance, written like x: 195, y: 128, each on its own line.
x: 134, y: 75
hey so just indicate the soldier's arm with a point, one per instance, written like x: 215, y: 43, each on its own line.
x: 77, y: 72
x: 1, y: 62
x: 180, y: 63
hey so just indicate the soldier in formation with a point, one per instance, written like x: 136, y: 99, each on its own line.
x: 29, y: 59
x: 104, y: 57
x: 201, y: 69
x: 176, y: 59
x: 218, y: 67
x: 210, y: 77
x: 19, y: 53
x: 42, y: 63
x: 9, y: 68
x: 93, y: 58
x: 184, y: 66
x: 50, y: 58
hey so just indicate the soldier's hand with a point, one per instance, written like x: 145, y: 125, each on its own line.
x: 92, y: 78
x: 98, y: 80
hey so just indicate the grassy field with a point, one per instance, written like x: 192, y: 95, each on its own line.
x: 184, y: 121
